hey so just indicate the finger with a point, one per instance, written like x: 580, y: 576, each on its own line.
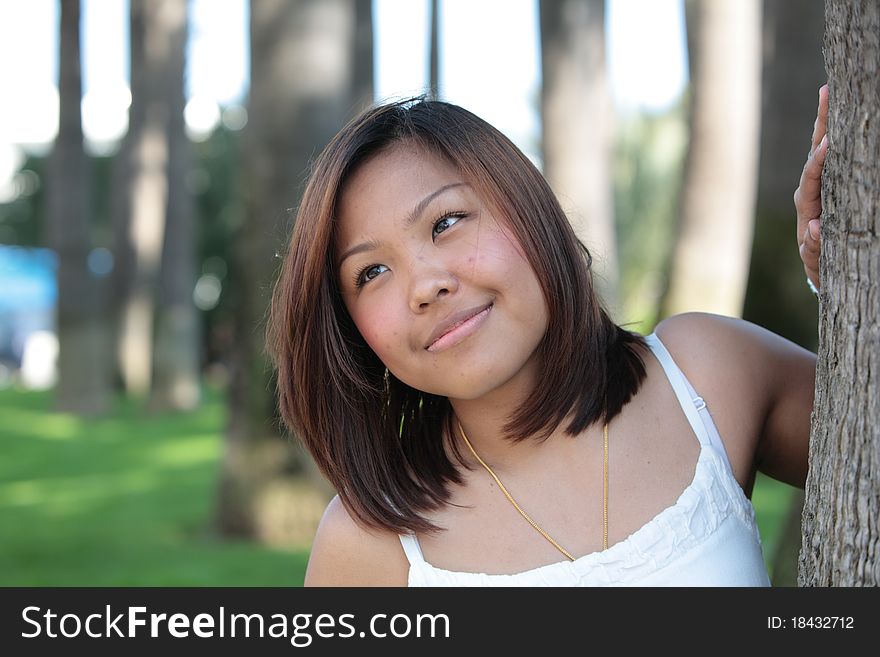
x: 812, y: 243
x: 808, y: 196
x: 820, y: 125
x: 810, y: 248
x: 811, y: 264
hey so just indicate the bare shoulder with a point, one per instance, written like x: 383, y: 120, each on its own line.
x: 721, y: 335
x: 344, y: 553
x: 757, y: 384
x: 706, y: 341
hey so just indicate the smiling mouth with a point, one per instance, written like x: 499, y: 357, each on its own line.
x: 461, y: 331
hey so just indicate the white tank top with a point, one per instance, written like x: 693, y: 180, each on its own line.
x: 707, y: 538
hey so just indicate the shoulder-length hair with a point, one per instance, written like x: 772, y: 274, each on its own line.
x: 377, y: 440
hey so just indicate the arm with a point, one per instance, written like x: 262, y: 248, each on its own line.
x: 783, y: 448
x: 781, y: 455
x: 346, y: 554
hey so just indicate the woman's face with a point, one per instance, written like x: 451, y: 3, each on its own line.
x: 436, y: 284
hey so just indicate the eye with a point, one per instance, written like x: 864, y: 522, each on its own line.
x: 366, y: 274
x: 446, y: 221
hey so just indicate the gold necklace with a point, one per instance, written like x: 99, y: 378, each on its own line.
x: 526, y: 515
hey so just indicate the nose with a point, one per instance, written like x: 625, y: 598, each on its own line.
x: 430, y: 283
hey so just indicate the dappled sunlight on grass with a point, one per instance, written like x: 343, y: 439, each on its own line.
x: 125, y: 500
x: 72, y: 494
x: 31, y: 423
x: 187, y: 451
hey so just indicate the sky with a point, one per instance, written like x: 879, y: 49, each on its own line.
x: 490, y: 68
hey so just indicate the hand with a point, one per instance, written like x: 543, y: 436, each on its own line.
x: 808, y: 195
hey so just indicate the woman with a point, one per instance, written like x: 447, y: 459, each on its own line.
x: 444, y: 357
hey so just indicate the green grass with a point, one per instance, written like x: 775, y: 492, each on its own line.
x: 127, y: 501
x: 771, y: 500
x: 122, y: 501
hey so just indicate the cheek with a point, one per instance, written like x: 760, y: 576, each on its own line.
x: 380, y: 330
x: 506, y: 264
x: 501, y: 259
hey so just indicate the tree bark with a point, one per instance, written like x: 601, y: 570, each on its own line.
x: 82, y: 377
x: 710, y: 258
x: 841, y: 520
x: 177, y: 356
x: 301, y: 92
x: 577, y: 128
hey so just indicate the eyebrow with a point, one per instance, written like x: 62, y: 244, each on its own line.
x: 411, y: 218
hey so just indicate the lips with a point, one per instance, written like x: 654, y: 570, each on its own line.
x: 456, y: 327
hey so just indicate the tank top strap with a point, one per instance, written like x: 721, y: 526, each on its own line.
x: 708, y: 423
x: 412, y: 548
x: 691, y: 403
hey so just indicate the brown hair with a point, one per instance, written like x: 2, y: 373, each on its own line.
x: 377, y: 440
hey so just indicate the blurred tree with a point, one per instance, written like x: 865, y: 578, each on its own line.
x: 434, y: 51
x: 363, y: 55
x: 709, y: 262
x: 577, y: 128
x: 214, y: 182
x: 82, y: 383
x: 177, y: 355
x: 648, y: 158
x: 777, y: 296
x: 141, y: 184
x: 23, y: 217
x: 301, y: 94
x: 793, y: 71
x: 841, y: 534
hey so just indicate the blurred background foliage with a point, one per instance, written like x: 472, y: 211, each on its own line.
x: 143, y: 446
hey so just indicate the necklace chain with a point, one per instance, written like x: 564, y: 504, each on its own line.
x: 526, y: 515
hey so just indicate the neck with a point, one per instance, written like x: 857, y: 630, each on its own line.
x: 483, y: 421
x: 486, y: 438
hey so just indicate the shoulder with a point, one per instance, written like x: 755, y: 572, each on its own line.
x: 758, y: 385
x: 707, y: 341
x: 702, y: 323
x: 715, y: 350
x: 344, y: 553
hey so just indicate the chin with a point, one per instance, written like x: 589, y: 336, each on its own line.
x: 480, y: 374
x: 475, y: 387
x: 464, y: 388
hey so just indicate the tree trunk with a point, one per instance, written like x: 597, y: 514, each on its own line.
x: 82, y: 377
x: 710, y: 258
x: 301, y: 92
x: 434, y: 51
x: 178, y: 346
x: 577, y: 128
x: 363, y: 55
x: 841, y: 521
x: 144, y: 158
x: 777, y: 296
